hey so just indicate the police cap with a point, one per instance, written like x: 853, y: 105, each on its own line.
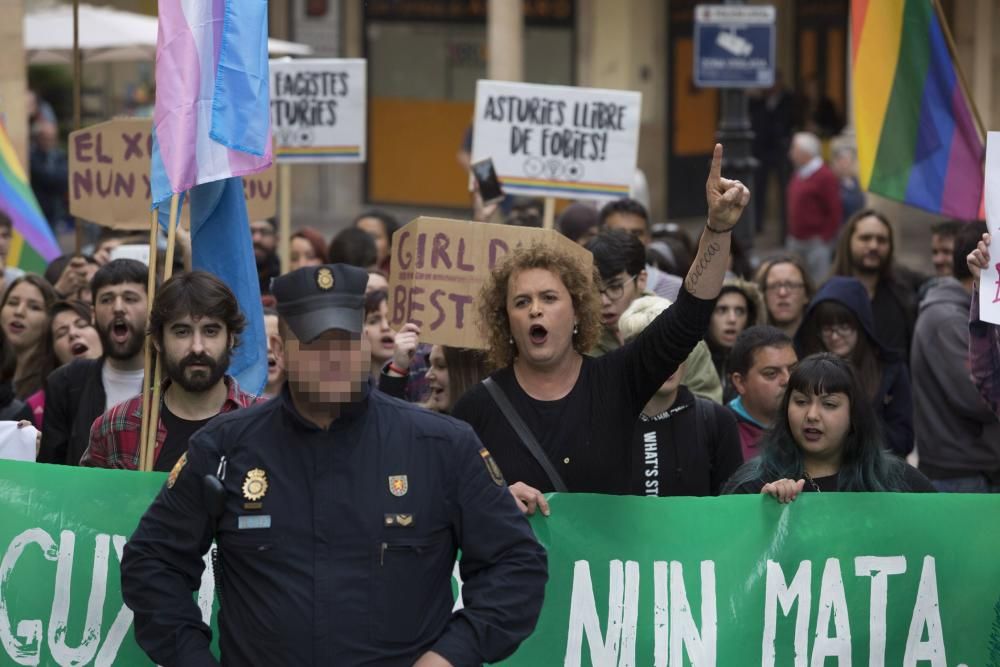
x: 315, y: 299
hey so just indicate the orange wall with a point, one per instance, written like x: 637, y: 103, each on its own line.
x: 412, y: 152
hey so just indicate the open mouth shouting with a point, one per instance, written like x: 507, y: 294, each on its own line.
x: 120, y: 331
x: 538, y: 334
x: 812, y: 434
x: 387, y: 342
x: 79, y: 349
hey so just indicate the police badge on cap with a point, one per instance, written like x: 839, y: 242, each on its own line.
x: 315, y: 299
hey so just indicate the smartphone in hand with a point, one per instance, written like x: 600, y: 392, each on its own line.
x: 486, y: 178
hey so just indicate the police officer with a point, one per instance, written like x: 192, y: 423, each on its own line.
x: 337, y: 512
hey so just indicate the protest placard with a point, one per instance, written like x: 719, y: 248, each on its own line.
x: 318, y: 109
x: 989, y: 282
x: 730, y: 581
x: 438, y: 267
x: 558, y: 141
x: 109, y: 176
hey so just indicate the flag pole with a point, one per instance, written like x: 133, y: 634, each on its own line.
x: 950, y: 40
x: 284, y: 215
x: 549, y: 220
x: 149, y: 444
x: 147, y: 362
x: 77, y: 104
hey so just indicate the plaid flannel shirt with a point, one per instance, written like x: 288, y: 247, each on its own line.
x: 984, y: 356
x: 115, y: 435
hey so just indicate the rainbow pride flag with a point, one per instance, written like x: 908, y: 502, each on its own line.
x: 33, y: 244
x: 917, y: 142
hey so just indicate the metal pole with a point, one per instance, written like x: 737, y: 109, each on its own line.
x: 77, y: 103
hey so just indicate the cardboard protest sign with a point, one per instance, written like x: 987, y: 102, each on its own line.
x: 989, y: 282
x: 318, y: 110
x: 558, y: 141
x: 438, y: 267
x: 109, y: 176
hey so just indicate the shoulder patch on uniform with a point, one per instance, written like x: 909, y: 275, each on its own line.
x: 492, y: 467
x: 176, y: 470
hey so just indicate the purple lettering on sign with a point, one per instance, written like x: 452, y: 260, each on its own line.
x: 497, y: 250
x: 104, y: 191
x: 461, y: 301
x: 435, y: 301
x: 82, y: 180
x: 439, y: 251
x: 403, y: 260
x: 399, y: 304
x: 415, y: 305
x: 82, y: 143
x: 132, y: 145
x: 101, y: 157
x: 124, y: 185
x: 460, y: 263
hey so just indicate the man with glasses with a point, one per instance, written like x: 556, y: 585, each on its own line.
x: 620, y: 259
x: 629, y: 215
x: 787, y: 290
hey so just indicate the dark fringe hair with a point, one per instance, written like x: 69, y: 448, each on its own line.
x: 866, y: 465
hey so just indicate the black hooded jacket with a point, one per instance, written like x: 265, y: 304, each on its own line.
x: 894, y: 400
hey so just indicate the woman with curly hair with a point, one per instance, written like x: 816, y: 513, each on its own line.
x: 541, y: 314
x: 826, y: 438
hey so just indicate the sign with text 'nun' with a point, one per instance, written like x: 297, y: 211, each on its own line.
x: 558, y: 141
x: 318, y: 110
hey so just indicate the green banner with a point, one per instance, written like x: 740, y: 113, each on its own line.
x: 849, y: 579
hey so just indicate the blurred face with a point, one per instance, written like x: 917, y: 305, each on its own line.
x: 728, y: 319
x: 24, y: 317
x: 617, y: 294
x: 102, y: 255
x: 819, y: 424
x: 381, y: 337
x: 763, y: 387
x: 74, y: 337
x: 264, y: 239
x: 798, y: 156
x: 541, y: 316
x: 331, y: 369
x: 275, y: 362
x: 785, y: 294
x: 631, y: 223
x: 870, y: 245
x: 301, y: 254
x: 376, y: 281
x: 120, y: 317
x: 5, y: 236
x: 374, y: 228
x: 195, y: 352
x: 839, y: 339
x: 942, y: 250
x: 437, y: 380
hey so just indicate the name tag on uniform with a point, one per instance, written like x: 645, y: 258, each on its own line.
x: 255, y: 521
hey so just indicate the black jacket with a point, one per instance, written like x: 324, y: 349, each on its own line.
x: 336, y: 545
x: 74, y: 398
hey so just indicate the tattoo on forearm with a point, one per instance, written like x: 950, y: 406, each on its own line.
x: 711, y: 250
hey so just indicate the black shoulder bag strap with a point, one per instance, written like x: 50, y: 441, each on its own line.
x: 524, y: 433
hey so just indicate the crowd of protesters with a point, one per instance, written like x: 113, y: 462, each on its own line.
x: 818, y: 370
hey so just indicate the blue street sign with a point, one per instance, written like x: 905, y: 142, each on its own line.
x: 734, y: 46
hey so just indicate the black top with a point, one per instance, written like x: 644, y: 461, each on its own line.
x: 894, y: 317
x: 678, y: 454
x: 913, y: 482
x: 588, y: 434
x: 74, y: 398
x: 336, y: 545
x: 179, y: 431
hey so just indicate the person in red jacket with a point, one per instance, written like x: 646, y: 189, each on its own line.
x: 814, y: 207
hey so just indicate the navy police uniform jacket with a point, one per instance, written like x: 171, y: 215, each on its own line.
x: 336, y: 545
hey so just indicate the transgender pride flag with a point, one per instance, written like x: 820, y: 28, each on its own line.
x: 212, y: 116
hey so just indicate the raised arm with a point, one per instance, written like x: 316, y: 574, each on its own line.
x: 726, y: 200
x: 984, y: 337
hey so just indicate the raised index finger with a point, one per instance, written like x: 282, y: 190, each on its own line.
x: 715, y: 173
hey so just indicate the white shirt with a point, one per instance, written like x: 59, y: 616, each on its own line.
x: 810, y: 168
x: 120, y: 385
